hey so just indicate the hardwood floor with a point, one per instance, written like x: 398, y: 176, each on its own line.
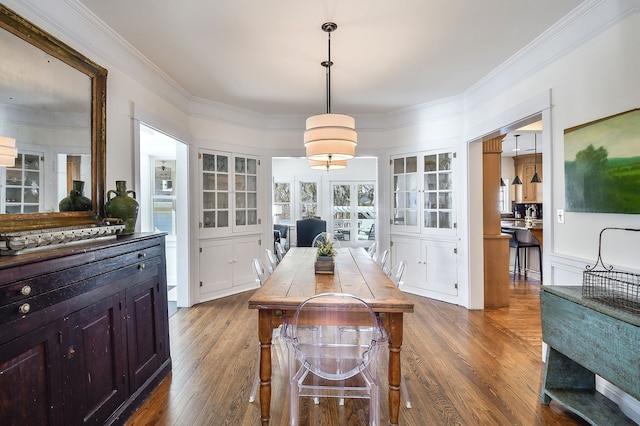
x: 462, y: 368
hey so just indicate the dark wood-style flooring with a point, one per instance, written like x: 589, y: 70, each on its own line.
x: 461, y: 367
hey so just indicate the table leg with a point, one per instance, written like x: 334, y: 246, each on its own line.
x: 394, y: 328
x: 265, y: 330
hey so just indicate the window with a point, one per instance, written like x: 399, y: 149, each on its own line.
x: 163, y: 198
x: 282, y: 202
x: 308, y: 205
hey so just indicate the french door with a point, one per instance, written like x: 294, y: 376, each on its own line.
x: 353, y: 212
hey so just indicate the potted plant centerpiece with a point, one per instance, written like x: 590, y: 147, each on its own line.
x: 324, y: 258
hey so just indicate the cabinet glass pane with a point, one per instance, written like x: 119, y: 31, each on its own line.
x: 209, y: 200
x: 241, y: 183
x: 398, y: 217
x: 252, y: 200
x: 13, y: 195
x: 444, y: 181
x: 412, y: 200
x: 31, y: 162
x: 209, y: 219
x: 430, y: 182
x: 14, y: 177
x: 252, y: 217
x: 398, y: 166
x: 398, y: 183
x: 445, y: 161
x: 223, y: 200
x: 241, y: 200
x: 431, y: 200
x: 208, y: 163
x: 412, y: 182
x: 252, y: 183
x: 208, y: 181
x: 412, y: 218
x: 445, y: 201
x: 412, y: 164
x: 223, y: 219
x: 240, y: 165
x: 252, y: 166
x: 430, y: 164
x: 445, y: 220
x: 223, y: 182
x: 222, y: 164
x: 31, y: 195
x: 431, y: 220
x: 241, y: 217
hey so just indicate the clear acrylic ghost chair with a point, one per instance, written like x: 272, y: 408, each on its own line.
x: 324, y: 361
x: 261, y: 275
x: 279, y: 251
x: 325, y: 236
x: 371, y: 251
x: 272, y: 261
x: 382, y: 259
x: 396, y: 273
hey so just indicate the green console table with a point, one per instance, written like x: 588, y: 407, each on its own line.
x: 586, y: 338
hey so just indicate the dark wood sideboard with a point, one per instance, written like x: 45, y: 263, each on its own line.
x: 84, y: 331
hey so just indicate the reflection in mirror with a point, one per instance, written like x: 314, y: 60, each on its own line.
x: 46, y: 107
x: 53, y: 103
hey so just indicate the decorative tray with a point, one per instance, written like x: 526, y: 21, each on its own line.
x: 12, y: 243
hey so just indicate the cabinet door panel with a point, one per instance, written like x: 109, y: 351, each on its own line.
x: 216, y: 271
x: 30, y: 379
x: 94, y: 362
x: 244, y: 249
x: 442, y: 268
x: 145, y: 332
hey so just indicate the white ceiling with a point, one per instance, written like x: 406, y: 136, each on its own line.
x: 265, y: 56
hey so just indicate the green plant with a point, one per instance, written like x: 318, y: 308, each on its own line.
x: 325, y: 247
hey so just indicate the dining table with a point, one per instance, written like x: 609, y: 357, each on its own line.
x: 294, y: 280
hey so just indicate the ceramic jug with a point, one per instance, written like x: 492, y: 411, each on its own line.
x: 122, y: 206
x: 76, y: 201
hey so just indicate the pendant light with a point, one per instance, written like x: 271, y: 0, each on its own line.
x: 516, y: 180
x: 327, y: 165
x: 8, y: 151
x: 330, y: 137
x: 535, y: 178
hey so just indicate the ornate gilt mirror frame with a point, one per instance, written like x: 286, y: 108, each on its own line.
x: 39, y: 38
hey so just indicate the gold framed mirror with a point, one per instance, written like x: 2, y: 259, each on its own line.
x: 53, y: 103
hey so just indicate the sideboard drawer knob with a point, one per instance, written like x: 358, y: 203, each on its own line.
x: 142, y: 255
x: 26, y: 290
x: 141, y: 266
x: 24, y: 308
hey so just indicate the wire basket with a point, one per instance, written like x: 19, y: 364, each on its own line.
x: 608, y: 286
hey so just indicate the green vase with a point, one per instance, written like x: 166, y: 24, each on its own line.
x: 122, y: 206
x: 76, y: 201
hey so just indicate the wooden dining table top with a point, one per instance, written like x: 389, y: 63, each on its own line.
x: 356, y: 273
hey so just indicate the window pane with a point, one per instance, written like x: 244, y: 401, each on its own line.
x: 341, y: 195
x: 308, y: 192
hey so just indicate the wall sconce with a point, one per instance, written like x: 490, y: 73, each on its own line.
x: 8, y: 151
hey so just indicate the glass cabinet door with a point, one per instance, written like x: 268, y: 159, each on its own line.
x: 405, y: 192
x: 229, y: 190
x: 22, y: 185
x: 215, y: 191
x: 423, y: 193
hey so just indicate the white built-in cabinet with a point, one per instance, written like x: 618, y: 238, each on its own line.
x: 230, y: 222
x: 423, y: 222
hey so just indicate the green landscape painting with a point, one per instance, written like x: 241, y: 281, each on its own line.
x: 602, y: 165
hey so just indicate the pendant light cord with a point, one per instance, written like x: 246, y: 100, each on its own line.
x: 327, y: 64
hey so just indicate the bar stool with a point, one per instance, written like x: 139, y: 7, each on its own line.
x: 523, y: 239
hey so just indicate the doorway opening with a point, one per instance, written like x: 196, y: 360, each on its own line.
x: 164, y: 206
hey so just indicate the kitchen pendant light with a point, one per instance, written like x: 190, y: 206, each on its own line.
x: 330, y: 137
x: 516, y: 180
x: 535, y: 178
